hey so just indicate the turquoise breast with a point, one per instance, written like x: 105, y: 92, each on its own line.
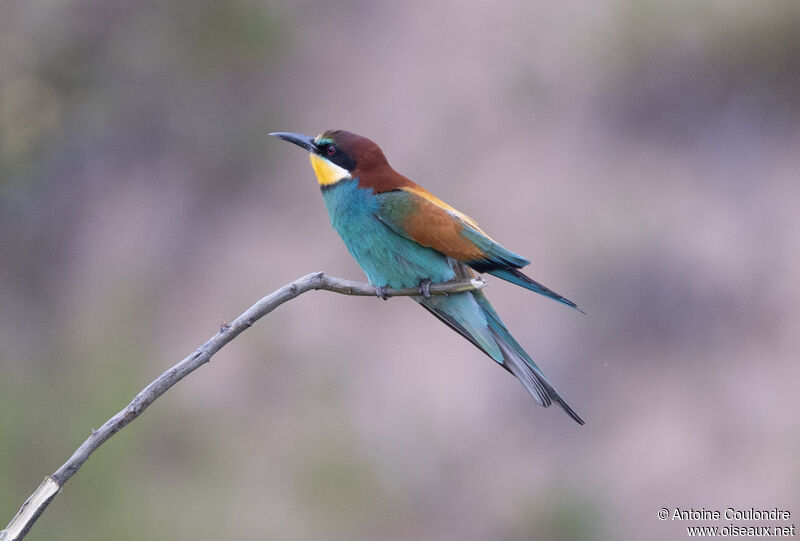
x: 387, y: 258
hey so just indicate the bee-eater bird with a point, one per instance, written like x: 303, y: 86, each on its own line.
x: 403, y: 236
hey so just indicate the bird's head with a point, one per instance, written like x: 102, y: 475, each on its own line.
x: 339, y: 155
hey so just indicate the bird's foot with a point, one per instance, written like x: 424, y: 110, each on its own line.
x: 380, y: 291
x: 425, y: 288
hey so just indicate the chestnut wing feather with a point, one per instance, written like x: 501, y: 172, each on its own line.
x: 418, y: 215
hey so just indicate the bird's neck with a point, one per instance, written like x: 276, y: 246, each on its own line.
x: 377, y: 177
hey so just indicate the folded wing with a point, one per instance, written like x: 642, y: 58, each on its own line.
x: 413, y: 212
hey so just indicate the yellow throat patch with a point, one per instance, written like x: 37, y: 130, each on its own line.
x: 327, y: 172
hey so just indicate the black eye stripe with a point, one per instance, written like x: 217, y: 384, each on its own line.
x: 337, y: 156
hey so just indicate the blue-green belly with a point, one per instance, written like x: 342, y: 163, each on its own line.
x: 387, y: 258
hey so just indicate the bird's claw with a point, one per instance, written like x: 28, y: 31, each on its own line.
x: 380, y: 291
x: 425, y: 288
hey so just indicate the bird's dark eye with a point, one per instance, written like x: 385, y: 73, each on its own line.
x: 330, y: 149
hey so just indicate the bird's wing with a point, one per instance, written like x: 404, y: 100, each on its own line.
x: 416, y: 214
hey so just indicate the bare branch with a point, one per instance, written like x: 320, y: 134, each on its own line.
x: 41, y: 498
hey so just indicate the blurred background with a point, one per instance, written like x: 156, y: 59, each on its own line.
x: 644, y: 156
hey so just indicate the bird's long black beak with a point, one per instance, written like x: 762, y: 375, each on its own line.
x: 303, y: 141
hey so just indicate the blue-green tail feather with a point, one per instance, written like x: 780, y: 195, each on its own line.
x: 471, y: 315
x: 531, y: 373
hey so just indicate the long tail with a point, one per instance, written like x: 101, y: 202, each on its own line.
x: 519, y: 363
x: 471, y: 315
x: 517, y: 277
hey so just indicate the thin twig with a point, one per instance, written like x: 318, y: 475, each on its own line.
x: 42, y: 496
